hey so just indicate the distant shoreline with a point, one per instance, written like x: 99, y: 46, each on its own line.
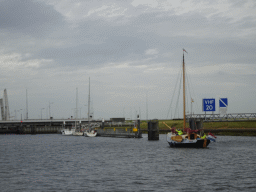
x: 230, y: 128
x: 223, y: 132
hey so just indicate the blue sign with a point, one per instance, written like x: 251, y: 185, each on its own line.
x: 223, y: 102
x: 208, y: 104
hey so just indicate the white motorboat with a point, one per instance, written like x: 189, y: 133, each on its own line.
x: 68, y: 132
x: 90, y: 133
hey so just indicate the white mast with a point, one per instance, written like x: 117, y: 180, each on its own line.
x: 184, y: 95
x: 89, y: 104
x: 147, y: 106
x: 7, y: 112
x: 2, y: 109
x: 76, y: 106
x: 76, y: 102
x: 26, y: 104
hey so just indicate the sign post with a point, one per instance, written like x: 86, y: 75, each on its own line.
x: 223, y: 106
x: 208, y: 105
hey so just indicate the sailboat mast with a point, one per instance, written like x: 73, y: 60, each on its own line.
x: 184, y: 101
x: 26, y: 104
x: 89, y: 104
x: 76, y: 105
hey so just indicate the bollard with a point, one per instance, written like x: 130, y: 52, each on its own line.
x: 139, y: 134
x: 153, y: 130
x: 102, y: 124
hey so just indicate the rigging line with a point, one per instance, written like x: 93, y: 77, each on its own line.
x: 193, y: 93
x: 173, y: 96
x: 188, y: 87
x: 177, y: 108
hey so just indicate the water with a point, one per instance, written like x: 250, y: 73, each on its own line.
x: 67, y: 163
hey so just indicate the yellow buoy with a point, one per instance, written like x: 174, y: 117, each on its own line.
x: 135, y: 129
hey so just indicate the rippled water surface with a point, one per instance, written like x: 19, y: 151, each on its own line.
x: 72, y: 163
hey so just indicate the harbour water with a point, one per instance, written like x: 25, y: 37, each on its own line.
x: 52, y: 162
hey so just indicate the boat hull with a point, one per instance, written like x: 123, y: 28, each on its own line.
x: 198, y: 144
x: 186, y: 141
x: 67, y: 132
x: 90, y: 134
x: 78, y: 133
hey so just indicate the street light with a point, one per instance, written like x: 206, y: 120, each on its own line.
x: 50, y: 109
x: 41, y: 113
x: 21, y: 114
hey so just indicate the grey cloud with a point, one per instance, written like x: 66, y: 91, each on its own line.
x: 28, y: 17
x: 238, y: 3
x: 99, y: 42
x: 114, y: 49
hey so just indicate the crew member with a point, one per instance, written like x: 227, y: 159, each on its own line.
x: 204, y: 136
x: 179, y: 132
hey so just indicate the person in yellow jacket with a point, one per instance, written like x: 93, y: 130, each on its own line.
x: 179, y: 132
x: 204, y: 136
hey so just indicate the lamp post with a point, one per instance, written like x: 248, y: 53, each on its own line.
x: 41, y: 113
x: 50, y: 109
x: 21, y: 114
x: 74, y: 112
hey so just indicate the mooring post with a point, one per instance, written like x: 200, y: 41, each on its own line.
x: 192, y: 124
x: 102, y: 123
x: 138, y: 125
x: 20, y: 130
x: 33, y: 129
x: 153, y: 130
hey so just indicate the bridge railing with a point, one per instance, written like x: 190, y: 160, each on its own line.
x: 226, y: 117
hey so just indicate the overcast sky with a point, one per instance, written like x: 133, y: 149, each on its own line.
x: 132, y: 52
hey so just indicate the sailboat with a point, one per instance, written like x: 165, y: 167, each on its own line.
x: 76, y: 130
x: 68, y: 132
x: 187, y: 137
x: 89, y: 132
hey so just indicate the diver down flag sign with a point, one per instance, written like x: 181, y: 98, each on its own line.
x: 223, y: 102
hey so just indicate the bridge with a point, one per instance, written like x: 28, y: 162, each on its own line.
x: 53, y: 126
x: 41, y: 126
